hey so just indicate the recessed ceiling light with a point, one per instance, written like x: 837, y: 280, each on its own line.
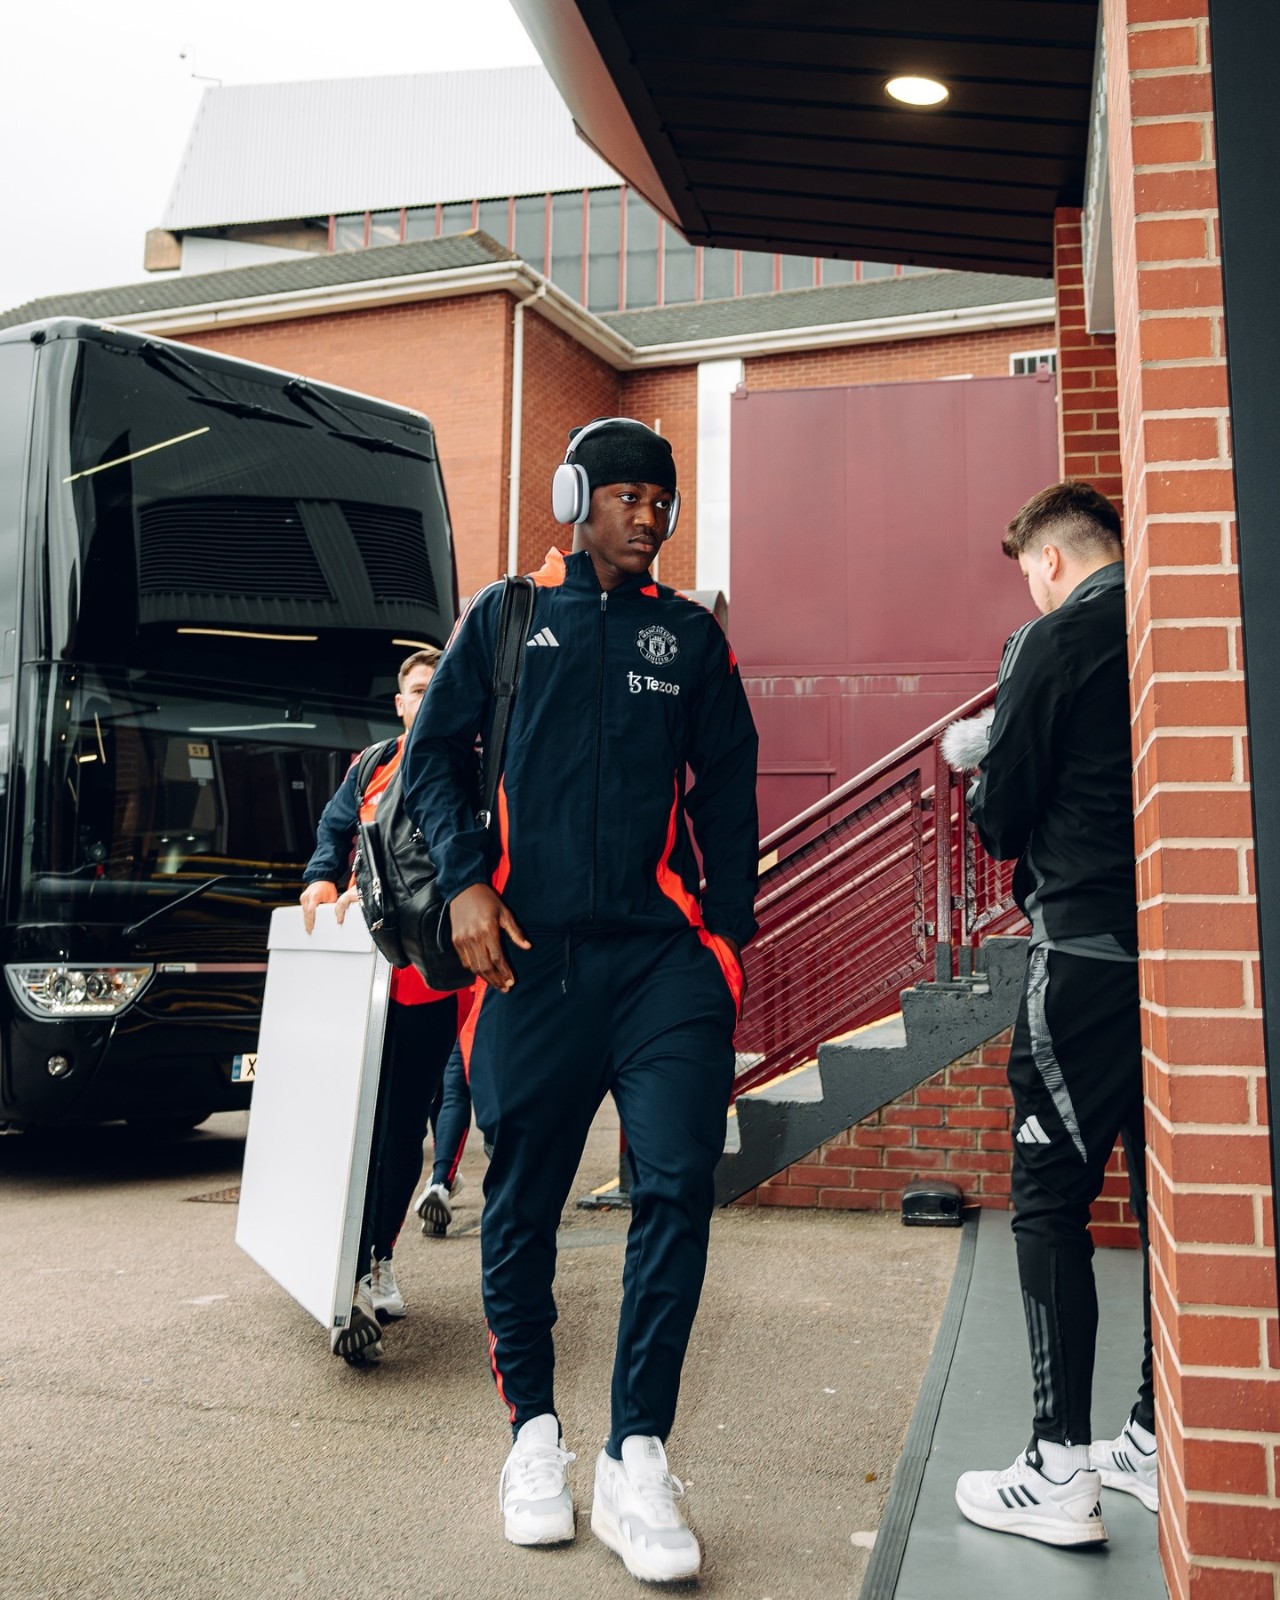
x: 917, y: 91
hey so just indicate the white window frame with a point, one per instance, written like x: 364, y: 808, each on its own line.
x: 1032, y: 360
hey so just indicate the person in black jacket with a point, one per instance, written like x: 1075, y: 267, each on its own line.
x: 605, y: 968
x: 422, y: 1026
x: 1055, y: 791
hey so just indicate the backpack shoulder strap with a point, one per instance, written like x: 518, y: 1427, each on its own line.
x: 367, y: 763
x: 513, y: 626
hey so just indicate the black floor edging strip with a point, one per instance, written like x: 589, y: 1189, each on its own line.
x: 881, y: 1580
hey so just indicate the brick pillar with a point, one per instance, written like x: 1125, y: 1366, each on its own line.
x: 1213, y: 1274
x: 1088, y: 423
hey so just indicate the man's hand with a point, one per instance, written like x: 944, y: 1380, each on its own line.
x: 478, y: 919
x: 320, y: 893
x: 350, y: 898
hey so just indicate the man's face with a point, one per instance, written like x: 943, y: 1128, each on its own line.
x: 627, y: 525
x: 410, y: 696
x: 1035, y: 565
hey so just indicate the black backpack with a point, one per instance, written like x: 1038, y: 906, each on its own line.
x: 406, y: 916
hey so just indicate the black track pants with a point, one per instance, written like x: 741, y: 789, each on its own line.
x: 417, y: 1045
x: 648, y: 1018
x: 1075, y: 1068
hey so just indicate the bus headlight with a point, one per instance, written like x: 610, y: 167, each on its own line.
x: 47, y: 991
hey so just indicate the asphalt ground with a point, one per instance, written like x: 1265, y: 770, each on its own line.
x: 174, y: 1425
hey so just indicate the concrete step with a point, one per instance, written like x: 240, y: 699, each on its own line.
x: 856, y: 1074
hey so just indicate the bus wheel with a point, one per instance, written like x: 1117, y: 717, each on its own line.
x: 160, y: 1128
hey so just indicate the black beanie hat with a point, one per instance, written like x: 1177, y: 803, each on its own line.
x: 625, y: 452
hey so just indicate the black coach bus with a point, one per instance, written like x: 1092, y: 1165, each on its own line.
x: 209, y: 572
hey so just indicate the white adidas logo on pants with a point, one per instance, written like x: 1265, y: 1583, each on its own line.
x: 1031, y: 1132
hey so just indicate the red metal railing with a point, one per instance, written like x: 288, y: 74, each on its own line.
x: 880, y: 885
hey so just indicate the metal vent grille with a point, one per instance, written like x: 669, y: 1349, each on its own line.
x: 393, y: 545
x: 240, y: 546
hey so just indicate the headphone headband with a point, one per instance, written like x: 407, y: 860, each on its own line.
x: 604, y: 422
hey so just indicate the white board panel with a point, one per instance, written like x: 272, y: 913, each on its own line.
x: 306, y: 1159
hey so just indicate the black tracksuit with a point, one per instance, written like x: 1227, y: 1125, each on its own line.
x: 629, y: 988
x: 1056, y: 792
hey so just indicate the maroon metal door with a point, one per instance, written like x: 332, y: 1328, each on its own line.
x: 869, y: 595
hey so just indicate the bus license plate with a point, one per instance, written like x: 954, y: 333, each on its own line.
x: 244, y: 1069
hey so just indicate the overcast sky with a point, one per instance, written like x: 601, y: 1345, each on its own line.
x: 96, y: 103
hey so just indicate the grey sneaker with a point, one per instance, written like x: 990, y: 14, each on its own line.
x: 360, y: 1342
x: 435, y: 1206
x: 533, y: 1490
x: 388, y: 1302
x: 634, y: 1512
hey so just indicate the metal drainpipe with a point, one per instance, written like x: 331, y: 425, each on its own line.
x: 517, y: 417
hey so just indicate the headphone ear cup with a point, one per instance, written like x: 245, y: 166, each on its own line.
x: 570, y: 493
x: 674, y: 515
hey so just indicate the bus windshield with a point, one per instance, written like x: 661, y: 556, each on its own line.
x: 141, y: 789
x: 211, y: 518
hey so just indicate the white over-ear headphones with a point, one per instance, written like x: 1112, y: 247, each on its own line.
x: 570, y: 491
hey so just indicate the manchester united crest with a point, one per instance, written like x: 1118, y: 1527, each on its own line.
x: 657, y: 646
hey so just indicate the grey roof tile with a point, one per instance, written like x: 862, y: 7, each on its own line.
x: 174, y: 291
x: 813, y: 308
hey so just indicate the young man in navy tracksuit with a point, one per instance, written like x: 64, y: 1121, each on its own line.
x: 604, y: 968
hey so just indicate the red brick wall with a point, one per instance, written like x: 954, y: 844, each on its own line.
x: 984, y: 355
x: 956, y: 1125
x: 667, y: 398
x: 1217, y: 1349
x: 564, y: 385
x: 448, y: 358
x: 1088, y: 422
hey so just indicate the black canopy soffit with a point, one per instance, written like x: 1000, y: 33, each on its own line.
x: 767, y: 126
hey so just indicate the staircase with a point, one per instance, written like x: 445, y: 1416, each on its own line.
x: 782, y: 1120
x: 883, y: 955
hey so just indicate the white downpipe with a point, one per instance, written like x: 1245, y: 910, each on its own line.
x: 717, y: 381
x: 517, y: 428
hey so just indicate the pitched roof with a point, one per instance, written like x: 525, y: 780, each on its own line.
x: 912, y: 296
x: 299, y: 272
x: 368, y: 144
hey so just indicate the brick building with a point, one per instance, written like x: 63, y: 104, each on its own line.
x: 1128, y: 151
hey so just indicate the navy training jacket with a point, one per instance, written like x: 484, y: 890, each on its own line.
x: 619, y: 693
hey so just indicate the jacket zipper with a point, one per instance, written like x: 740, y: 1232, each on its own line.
x: 595, y: 779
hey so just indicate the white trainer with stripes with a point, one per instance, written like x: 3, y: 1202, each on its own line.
x: 1124, y: 1464
x: 1022, y: 1500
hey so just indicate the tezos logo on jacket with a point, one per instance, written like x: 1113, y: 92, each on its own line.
x: 657, y: 645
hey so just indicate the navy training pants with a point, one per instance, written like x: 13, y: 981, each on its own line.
x: 648, y: 1018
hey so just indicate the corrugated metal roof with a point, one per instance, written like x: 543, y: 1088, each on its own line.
x: 370, y: 144
x: 815, y: 308
x: 272, y: 277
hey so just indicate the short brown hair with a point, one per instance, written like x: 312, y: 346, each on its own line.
x: 428, y: 656
x: 1072, y: 514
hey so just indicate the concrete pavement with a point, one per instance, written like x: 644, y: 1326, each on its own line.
x: 174, y: 1425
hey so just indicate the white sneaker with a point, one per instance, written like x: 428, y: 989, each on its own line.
x: 1123, y: 1464
x: 533, y: 1490
x: 634, y: 1512
x: 1022, y: 1500
x: 360, y: 1342
x: 434, y: 1206
x: 388, y: 1302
